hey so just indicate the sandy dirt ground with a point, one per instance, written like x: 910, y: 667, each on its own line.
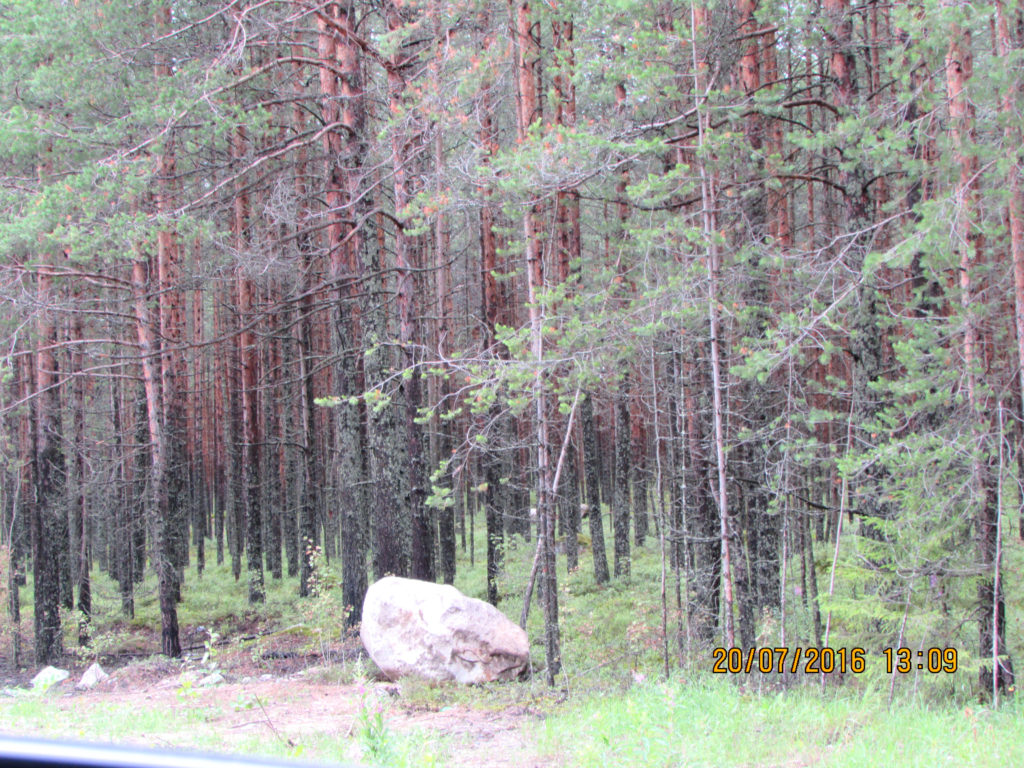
x: 290, y: 706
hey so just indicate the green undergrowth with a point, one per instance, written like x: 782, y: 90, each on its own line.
x: 709, y: 722
x: 213, y: 599
x: 610, y: 633
x: 213, y: 602
x: 610, y: 704
x: 101, y: 721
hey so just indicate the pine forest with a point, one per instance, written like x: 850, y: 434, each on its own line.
x: 735, y: 286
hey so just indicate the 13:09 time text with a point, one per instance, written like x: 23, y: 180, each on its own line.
x: 932, y: 660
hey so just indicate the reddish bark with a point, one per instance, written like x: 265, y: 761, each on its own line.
x: 970, y: 243
x: 527, y: 70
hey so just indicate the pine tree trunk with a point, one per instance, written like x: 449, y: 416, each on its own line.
x: 638, y: 476
x: 311, y: 485
x: 157, y: 508
x: 569, y: 262
x: 493, y: 464
x: 569, y: 501
x: 406, y: 248
x: 276, y: 460
x: 352, y: 419
x: 445, y: 514
x: 79, y: 511
x: 527, y: 71
x: 1007, y: 43
x: 199, y: 453
x: 49, y: 491
x: 620, y: 493
x: 593, y: 484
x: 970, y: 243
x: 121, y: 561
x: 701, y: 524
x: 250, y: 449
x: 293, y: 485
x: 173, y: 380
x: 214, y: 438
x: 22, y: 534
x: 709, y: 200
x: 24, y: 510
x: 495, y: 500
x: 234, y: 523
x: 390, y: 526
x: 141, y: 512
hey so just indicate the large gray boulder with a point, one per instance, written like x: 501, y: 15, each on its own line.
x: 433, y: 631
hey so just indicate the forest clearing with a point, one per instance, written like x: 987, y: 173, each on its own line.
x: 690, y: 336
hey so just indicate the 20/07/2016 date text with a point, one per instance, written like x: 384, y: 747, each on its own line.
x: 811, y: 661
x: 816, y: 661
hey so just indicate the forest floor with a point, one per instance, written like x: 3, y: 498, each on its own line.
x: 294, y: 688
x: 286, y: 696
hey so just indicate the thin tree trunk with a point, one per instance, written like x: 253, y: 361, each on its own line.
x: 79, y: 511
x: 528, y: 58
x: 638, y: 475
x: 235, y: 511
x: 199, y: 454
x: 48, y: 508
x: 970, y: 243
x: 141, y: 511
x: 158, y: 513
x: 276, y: 461
x: 496, y: 495
x: 709, y: 201
x: 620, y: 492
x: 569, y: 260
x: 593, y: 483
x: 308, y: 530
x: 443, y: 280
x: 1015, y: 214
x: 122, y: 522
x: 422, y: 560
x: 220, y: 442
x: 250, y: 450
x: 391, y: 528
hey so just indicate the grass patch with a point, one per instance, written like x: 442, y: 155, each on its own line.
x: 197, y: 720
x: 711, y: 722
x: 49, y: 716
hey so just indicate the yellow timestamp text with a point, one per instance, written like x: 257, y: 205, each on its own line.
x: 932, y: 660
x: 811, y: 661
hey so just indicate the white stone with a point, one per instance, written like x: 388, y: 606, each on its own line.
x: 433, y: 631
x: 48, y: 677
x: 92, y: 677
x: 215, y: 678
